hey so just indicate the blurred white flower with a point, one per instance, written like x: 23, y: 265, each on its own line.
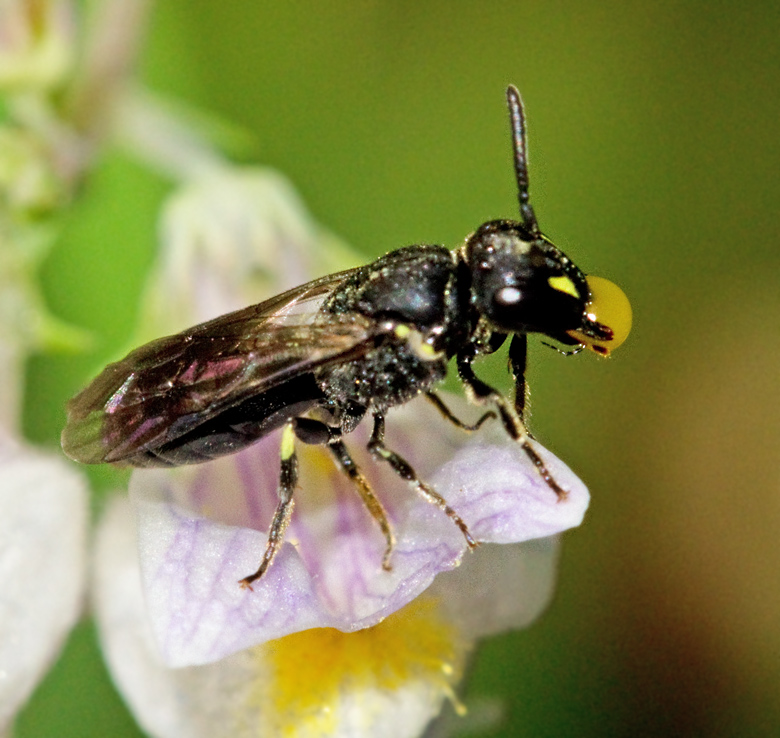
x: 43, y: 525
x: 231, y: 236
x: 43, y: 499
x: 36, y: 43
x: 46, y: 140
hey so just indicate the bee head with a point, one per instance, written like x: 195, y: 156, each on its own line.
x: 522, y: 283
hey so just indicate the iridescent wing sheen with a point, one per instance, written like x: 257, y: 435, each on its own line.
x: 170, y: 386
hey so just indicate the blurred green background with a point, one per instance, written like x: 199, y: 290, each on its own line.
x: 654, y: 162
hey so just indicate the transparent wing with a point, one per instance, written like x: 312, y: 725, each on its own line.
x: 168, y: 387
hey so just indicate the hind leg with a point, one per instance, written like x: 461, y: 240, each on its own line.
x: 288, y: 479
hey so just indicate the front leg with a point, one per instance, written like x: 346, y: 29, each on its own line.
x: 482, y: 393
x: 518, y: 352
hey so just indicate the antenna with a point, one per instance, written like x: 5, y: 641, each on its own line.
x: 517, y: 118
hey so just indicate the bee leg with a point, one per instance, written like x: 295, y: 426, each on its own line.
x: 482, y: 393
x: 316, y: 432
x: 313, y: 432
x: 518, y: 351
x: 400, y: 466
x: 288, y: 479
x: 447, y: 414
x: 370, y: 500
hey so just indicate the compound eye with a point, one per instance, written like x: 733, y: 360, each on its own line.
x: 609, y: 306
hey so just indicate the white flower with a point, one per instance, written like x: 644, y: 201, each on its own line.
x: 203, y: 528
x: 390, y: 679
x: 43, y: 499
x: 328, y: 642
x: 233, y: 235
x: 43, y: 523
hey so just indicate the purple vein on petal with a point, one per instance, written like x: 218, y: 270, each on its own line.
x: 328, y: 573
x: 252, y: 486
x: 198, y: 491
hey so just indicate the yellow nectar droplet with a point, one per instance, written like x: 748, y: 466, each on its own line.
x: 609, y: 306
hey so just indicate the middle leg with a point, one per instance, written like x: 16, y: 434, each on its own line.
x: 404, y: 470
x: 447, y: 414
x: 316, y: 432
x: 345, y: 462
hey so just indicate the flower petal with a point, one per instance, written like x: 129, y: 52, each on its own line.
x: 502, y: 496
x: 386, y: 681
x: 332, y: 577
x: 328, y: 573
x: 231, y: 237
x: 500, y: 588
x: 43, y: 515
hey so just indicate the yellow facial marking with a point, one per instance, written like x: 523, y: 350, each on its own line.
x: 564, y: 284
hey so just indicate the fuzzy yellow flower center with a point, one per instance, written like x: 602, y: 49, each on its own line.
x: 311, y: 674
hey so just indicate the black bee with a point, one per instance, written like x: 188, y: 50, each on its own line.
x: 319, y: 358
